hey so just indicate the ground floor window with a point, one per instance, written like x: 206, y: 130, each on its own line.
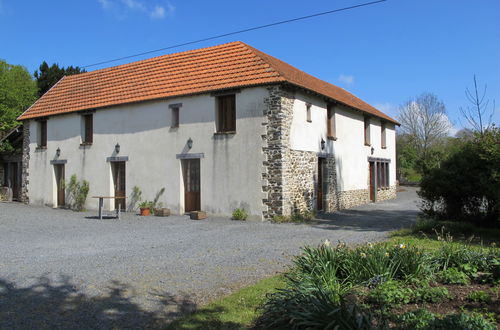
x: 382, y: 175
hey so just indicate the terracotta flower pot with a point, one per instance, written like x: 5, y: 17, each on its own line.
x: 145, y: 211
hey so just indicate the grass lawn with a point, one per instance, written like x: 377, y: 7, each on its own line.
x: 240, y: 309
x: 236, y: 311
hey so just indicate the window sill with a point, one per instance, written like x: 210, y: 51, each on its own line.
x: 333, y: 138
x: 384, y: 147
x: 225, y: 133
x: 85, y: 144
x: 309, y: 121
x: 368, y: 144
x: 41, y: 148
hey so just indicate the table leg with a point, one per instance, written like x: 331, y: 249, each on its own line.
x: 101, y: 202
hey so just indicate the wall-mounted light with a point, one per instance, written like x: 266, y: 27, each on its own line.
x: 117, y: 148
x: 190, y: 143
x: 373, y: 150
x: 322, y: 144
x: 58, y: 152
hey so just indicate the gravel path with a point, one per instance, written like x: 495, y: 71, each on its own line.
x: 61, y: 269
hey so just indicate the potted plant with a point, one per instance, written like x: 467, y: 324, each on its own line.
x: 145, y: 208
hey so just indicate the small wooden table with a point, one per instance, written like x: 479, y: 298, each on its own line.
x: 101, y: 204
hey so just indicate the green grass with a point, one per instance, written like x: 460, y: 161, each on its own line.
x: 236, y: 311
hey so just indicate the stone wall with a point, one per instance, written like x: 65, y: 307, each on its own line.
x: 301, y: 177
x: 351, y: 198
x: 386, y: 193
x: 25, y: 162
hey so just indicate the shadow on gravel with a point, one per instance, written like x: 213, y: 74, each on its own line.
x: 367, y: 220
x: 46, y: 305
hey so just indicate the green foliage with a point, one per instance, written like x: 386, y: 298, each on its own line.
x: 479, y: 296
x: 78, y: 191
x: 296, y: 217
x: 17, y: 93
x: 146, y: 204
x: 431, y: 294
x: 461, y: 321
x: 418, y: 319
x: 239, y: 214
x: 391, y: 293
x: 467, y: 184
x: 46, y: 76
x: 453, y: 276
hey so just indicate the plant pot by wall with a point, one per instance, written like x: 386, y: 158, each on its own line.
x: 162, y: 212
x: 144, y: 211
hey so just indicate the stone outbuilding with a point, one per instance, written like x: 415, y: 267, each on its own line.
x: 219, y: 128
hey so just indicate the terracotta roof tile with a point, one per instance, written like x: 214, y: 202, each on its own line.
x: 203, y: 70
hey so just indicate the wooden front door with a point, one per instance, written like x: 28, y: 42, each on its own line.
x: 372, y: 181
x: 319, y: 195
x: 191, y: 173
x: 118, y: 169
x: 59, y: 174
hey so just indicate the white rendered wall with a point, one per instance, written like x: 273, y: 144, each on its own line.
x: 350, y: 152
x: 230, y: 170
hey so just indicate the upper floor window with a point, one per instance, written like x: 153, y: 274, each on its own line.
x: 383, y: 135
x: 88, y: 128
x: 330, y: 122
x: 42, y: 136
x: 308, y: 114
x: 175, y: 109
x: 226, y: 113
x: 367, y: 131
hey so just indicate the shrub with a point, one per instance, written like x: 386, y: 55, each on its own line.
x: 467, y: 185
x: 296, y: 217
x: 479, y: 296
x: 391, y: 293
x: 461, y: 321
x: 418, y: 319
x: 78, y: 191
x: 239, y: 214
x: 453, y: 276
x: 431, y: 294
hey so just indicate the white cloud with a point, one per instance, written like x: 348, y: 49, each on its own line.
x: 346, y: 79
x: 387, y: 108
x: 122, y: 7
x: 158, y: 12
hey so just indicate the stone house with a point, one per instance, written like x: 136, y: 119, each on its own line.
x: 219, y: 128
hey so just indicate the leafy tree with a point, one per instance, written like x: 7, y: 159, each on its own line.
x: 17, y: 92
x: 467, y: 184
x: 425, y: 121
x: 47, y: 76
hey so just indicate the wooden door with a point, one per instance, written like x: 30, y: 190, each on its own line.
x: 191, y: 173
x: 319, y: 186
x: 119, y: 184
x: 59, y: 173
x: 372, y: 181
x: 15, y: 180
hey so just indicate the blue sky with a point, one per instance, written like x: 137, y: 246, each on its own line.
x: 385, y: 53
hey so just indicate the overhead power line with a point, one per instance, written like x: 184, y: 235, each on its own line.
x: 238, y: 32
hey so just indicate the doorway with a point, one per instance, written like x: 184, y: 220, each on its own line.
x: 191, y: 174
x: 59, y: 175
x: 118, y: 170
x: 319, y: 185
x: 372, y: 181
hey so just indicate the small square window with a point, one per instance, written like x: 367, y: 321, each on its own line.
x: 226, y: 113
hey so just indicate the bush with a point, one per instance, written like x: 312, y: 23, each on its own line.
x: 431, y: 294
x: 418, y: 319
x: 479, y: 296
x: 78, y: 192
x: 296, y: 217
x: 391, y: 293
x: 461, y: 321
x: 467, y: 185
x: 239, y: 214
x: 453, y: 276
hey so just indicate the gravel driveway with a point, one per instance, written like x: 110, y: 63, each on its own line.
x: 62, y: 269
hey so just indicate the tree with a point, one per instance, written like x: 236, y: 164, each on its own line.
x: 477, y: 113
x: 425, y: 121
x: 46, y: 76
x: 17, y: 92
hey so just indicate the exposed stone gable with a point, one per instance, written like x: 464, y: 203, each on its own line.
x: 25, y: 162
